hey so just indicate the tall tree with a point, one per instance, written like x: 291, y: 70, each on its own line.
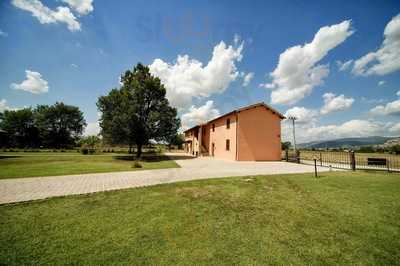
x: 19, y: 129
x: 59, y: 124
x: 177, y: 140
x: 138, y: 111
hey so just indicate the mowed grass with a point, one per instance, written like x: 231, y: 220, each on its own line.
x: 341, y: 218
x: 14, y: 165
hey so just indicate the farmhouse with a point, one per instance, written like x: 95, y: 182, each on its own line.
x: 251, y: 133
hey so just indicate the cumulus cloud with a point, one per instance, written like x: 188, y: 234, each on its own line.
x: 395, y: 129
x: 297, y: 73
x: 33, y: 83
x: 46, y: 15
x: 387, y: 58
x: 348, y: 129
x: 352, y: 128
x: 188, y: 78
x: 381, y: 83
x: 236, y: 38
x: 333, y: 103
x: 343, y: 66
x: 392, y: 108
x: 199, y: 115
x: 247, y: 79
x: 92, y: 129
x: 303, y: 115
x: 3, y: 105
x: 83, y: 7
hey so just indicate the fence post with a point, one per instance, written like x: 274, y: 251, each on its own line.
x: 320, y: 158
x: 298, y: 156
x: 287, y: 155
x: 352, y: 160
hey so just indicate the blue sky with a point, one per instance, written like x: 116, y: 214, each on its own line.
x: 75, y: 50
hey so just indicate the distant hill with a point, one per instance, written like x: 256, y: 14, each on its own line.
x: 345, y: 142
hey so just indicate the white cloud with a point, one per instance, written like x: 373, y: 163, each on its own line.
x: 302, y: 115
x: 398, y: 93
x: 92, y: 128
x: 395, y: 129
x: 247, y: 79
x: 199, y: 115
x: 83, y: 7
x: 392, y: 108
x: 3, y: 105
x: 333, y: 103
x: 33, y: 83
x: 188, y: 78
x: 74, y: 65
x: 3, y: 34
x: 371, y: 101
x: 46, y: 15
x: 387, y: 58
x: 343, y: 66
x: 381, y: 83
x: 236, y: 38
x: 352, y: 128
x: 297, y: 73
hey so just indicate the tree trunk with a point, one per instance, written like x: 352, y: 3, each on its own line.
x: 139, y: 151
x: 130, y: 149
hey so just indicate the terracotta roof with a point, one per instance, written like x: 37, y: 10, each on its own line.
x: 281, y: 116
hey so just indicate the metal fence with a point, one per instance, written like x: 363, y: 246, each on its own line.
x: 346, y: 160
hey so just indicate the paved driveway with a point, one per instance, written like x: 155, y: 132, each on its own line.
x: 24, y: 189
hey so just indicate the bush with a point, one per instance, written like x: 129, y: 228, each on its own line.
x: 84, y: 151
x: 137, y: 164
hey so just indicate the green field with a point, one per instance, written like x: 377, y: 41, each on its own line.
x: 20, y: 164
x: 341, y: 218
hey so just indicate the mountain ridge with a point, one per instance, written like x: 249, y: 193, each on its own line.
x: 346, y: 142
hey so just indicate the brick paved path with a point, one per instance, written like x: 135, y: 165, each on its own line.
x: 25, y: 189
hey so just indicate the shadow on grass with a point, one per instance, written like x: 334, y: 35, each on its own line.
x: 152, y: 157
x: 8, y: 156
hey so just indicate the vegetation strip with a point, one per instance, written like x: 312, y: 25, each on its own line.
x: 339, y: 218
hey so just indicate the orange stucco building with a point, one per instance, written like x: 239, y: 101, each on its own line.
x: 251, y: 133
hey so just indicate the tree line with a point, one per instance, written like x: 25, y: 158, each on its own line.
x: 133, y: 114
x: 46, y: 126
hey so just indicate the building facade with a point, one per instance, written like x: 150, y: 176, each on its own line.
x: 251, y: 133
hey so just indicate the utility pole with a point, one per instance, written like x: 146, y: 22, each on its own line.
x: 294, y: 131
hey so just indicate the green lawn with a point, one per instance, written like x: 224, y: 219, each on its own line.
x: 341, y: 218
x: 19, y: 164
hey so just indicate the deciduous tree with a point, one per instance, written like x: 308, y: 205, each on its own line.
x: 59, y: 124
x: 19, y: 129
x: 138, y: 111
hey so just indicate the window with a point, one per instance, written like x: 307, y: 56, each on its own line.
x: 227, y: 144
x: 228, y: 123
x: 213, y: 127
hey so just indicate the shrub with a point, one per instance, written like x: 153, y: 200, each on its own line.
x: 137, y: 164
x: 85, y: 151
